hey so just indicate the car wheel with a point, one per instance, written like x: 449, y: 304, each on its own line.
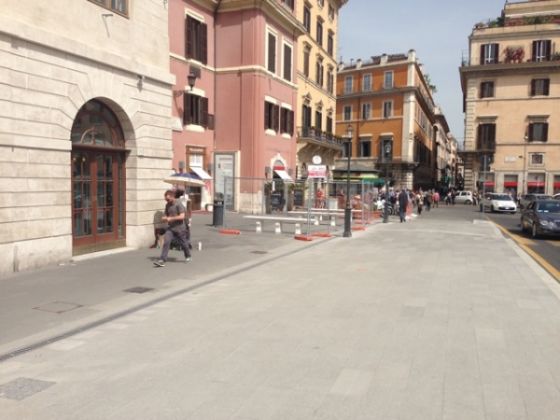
x: 468, y: 202
x: 534, y: 231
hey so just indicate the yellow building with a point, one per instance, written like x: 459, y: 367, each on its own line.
x: 316, y: 78
x: 511, y: 88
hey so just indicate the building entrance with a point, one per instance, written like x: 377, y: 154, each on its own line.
x: 98, y: 180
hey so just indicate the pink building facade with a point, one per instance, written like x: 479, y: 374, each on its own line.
x: 237, y: 121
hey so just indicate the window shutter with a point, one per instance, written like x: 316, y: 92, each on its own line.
x: 531, y: 132
x: 547, y: 87
x: 535, y: 46
x: 533, y: 87
x: 271, y: 53
x: 203, y: 110
x: 189, y: 39
x: 547, y: 49
x: 545, y: 132
x: 495, y: 53
x: 479, y: 136
x: 291, y: 122
x: 267, y: 124
x: 211, y: 122
x: 287, y: 63
x: 277, y: 118
x: 186, y: 109
x: 492, y: 136
x: 482, y: 55
x: 203, y: 43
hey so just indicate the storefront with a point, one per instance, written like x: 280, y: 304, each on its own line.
x: 536, y: 183
x: 511, y: 184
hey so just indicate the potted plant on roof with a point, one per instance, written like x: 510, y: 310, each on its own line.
x: 514, y: 54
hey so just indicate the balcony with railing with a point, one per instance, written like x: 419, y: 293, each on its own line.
x: 320, y: 138
x: 511, y: 55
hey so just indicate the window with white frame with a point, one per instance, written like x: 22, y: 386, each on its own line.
x: 387, y: 109
x: 348, y: 81
x: 347, y: 112
x: 366, y: 83
x: 287, y: 61
x: 366, y: 111
x: 388, y: 80
x: 271, y: 51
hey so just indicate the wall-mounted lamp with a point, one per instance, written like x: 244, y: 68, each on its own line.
x: 191, y: 78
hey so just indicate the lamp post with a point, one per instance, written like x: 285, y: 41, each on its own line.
x: 348, y: 210
x: 387, y: 152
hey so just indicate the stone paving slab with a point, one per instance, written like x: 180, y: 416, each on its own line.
x: 428, y: 320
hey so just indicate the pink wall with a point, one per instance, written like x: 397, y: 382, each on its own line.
x: 241, y: 95
x: 238, y: 98
x: 181, y: 69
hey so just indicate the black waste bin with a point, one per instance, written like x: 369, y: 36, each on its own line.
x: 218, y: 212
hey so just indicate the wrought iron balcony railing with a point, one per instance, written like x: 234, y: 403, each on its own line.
x: 320, y: 136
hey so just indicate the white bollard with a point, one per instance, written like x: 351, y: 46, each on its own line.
x: 259, y: 227
x: 320, y: 217
x: 277, y: 228
x: 333, y: 221
x: 199, y: 246
x: 316, y: 222
x: 298, y: 229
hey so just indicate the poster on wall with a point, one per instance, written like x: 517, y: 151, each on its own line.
x: 224, y: 182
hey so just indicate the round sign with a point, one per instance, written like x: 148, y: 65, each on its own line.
x: 317, y: 160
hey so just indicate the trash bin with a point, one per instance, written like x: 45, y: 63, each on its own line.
x: 218, y: 211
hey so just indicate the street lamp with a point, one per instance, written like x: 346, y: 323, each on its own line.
x: 387, y: 151
x: 348, y: 210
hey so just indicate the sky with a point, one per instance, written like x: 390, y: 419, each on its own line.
x: 437, y: 29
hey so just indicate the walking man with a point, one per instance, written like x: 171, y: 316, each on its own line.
x: 403, y: 204
x: 175, y: 214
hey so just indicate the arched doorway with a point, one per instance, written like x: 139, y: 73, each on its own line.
x: 98, y: 179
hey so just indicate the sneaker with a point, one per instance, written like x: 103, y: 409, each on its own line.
x: 159, y: 263
x: 188, y: 259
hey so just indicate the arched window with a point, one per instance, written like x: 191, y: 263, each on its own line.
x: 97, y: 125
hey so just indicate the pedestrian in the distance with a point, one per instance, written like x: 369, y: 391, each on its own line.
x: 420, y: 202
x: 403, y: 205
x: 175, y: 215
x: 436, y: 199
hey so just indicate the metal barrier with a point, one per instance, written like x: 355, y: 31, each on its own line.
x: 308, y: 207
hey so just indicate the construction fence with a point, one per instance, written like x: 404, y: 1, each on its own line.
x: 299, y: 206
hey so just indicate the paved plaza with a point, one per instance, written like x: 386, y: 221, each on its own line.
x: 441, y: 318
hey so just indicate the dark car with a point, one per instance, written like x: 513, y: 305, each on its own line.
x: 541, y: 217
x: 528, y: 198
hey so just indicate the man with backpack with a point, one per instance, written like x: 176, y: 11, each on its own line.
x: 175, y: 215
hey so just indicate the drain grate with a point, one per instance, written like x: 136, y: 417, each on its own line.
x: 58, y: 307
x: 21, y: 388
x: 139, y: 289
x: 259, y: 252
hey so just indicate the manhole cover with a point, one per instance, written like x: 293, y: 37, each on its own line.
x: 58, y: 307
x: 259, y: 252
x: 21, y: 388
x: 139, y: 290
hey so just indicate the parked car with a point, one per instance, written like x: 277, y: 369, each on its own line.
x: 541, y: 217
x: 499, y: 203
x: 524, y: 200
x: 556, y: 196
x: 464, y: 197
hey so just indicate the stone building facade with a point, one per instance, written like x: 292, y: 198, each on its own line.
x: 511, y: 89
x: 85, y: 127
x: 386, y: 108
